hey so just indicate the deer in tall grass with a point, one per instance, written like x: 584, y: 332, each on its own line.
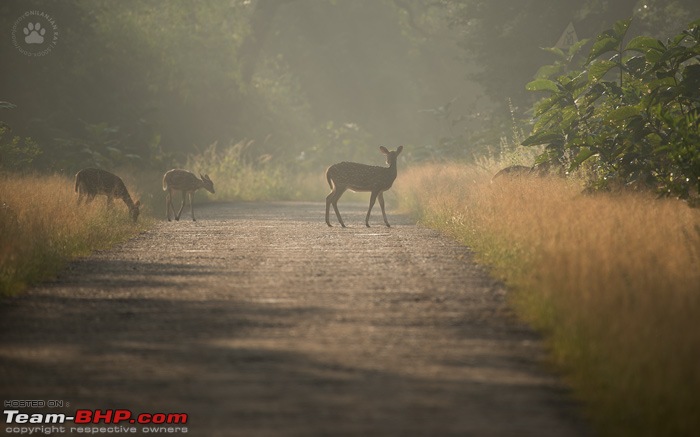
x: 89, y: 182
x: 516, y: 171
x: 188, y: 183
x: 361, y: 177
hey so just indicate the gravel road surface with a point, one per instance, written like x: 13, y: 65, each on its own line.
x: 259, y: 320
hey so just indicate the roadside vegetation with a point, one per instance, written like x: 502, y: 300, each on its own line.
x: 611, y: 280
x: 41, y: 228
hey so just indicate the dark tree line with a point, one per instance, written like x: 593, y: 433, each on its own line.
x: 308, y: 81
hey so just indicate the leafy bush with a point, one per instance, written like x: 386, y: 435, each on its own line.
x: 631, y: 113
x: 16, y: 153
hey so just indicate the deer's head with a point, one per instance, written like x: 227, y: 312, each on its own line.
x: 208, y: 184
x: 391, y: 155
x: 134, y: 211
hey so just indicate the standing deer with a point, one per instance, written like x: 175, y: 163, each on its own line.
x: 361, y: 177
x: 93, y: 181
x: 188, y: 183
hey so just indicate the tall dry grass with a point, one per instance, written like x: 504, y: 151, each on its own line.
x: 612, y: 280
x: 41, y: 227
x: 237, y: 176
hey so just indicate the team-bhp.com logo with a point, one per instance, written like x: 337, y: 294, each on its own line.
x: 35, y: 33
x: 119, y: 421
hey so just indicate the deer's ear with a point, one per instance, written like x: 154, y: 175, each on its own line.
x: 399, y: 150
x: 384, y: 150
x: 138, y: 203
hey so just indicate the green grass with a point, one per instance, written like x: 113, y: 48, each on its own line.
x: 611, y: 280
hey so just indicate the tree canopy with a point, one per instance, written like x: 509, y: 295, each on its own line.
x: 307, y: 81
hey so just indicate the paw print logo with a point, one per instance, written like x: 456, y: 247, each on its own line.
x: 34, y: 33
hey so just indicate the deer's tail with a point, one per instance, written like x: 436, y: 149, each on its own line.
x: 328, y: 177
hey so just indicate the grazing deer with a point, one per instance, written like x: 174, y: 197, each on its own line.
x: 523, y: 171
x: 93, y: 181
x: 361, y: 177
x: 514, y: 171
x: 188, y: 183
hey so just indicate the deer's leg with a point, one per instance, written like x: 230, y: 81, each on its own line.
x: 334, y: 197
x: 372, y: 199
x: 184, y: 198
x: 329, y: 199
x: 381, y: 203
x: 169, y: 203
x: 80, y: 196
x: 109, y: 202
x: 192, y: 205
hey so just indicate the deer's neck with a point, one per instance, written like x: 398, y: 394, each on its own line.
x: 392, y: 169
x: 127, y: 200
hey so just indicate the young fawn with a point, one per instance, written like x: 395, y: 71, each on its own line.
x: 93, y: 181
x: 361, y: 177
x: 188, y: 183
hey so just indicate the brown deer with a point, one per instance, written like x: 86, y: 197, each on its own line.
x: 361, y: 177
x: 93, y: 181
x: 188, y: 183
x: 516, y: 171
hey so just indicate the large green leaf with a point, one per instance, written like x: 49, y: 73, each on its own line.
x: 636, y: 65
x: 577, y: 83
x: 602, y: 46
x: 582, y: 156
x: 548, y: 71
x: 622, y: 113
x: 599, y: 69
x: 691, y: 80
x: 621, y: 26
x: 574, y: 49
x: 543, y: 137
x: 542, y: 85
x: 556, y: 51
x: 645, y: 44
x: 679, y: 54
x: 545, y: 105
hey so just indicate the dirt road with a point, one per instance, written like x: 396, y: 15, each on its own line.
x: 259, y: 320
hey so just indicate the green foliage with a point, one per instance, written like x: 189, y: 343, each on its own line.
x: 630, y: 113
x: 238, y: 175
x: 106, y: 146
x: 16, y: 153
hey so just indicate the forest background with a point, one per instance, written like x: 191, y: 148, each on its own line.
x: 289, y: 84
